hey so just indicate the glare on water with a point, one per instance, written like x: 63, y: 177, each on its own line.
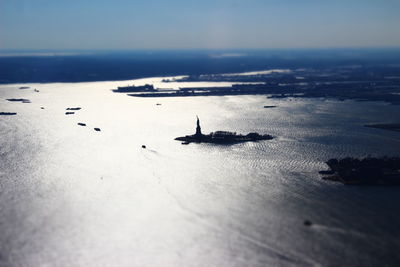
x: 72, y: 196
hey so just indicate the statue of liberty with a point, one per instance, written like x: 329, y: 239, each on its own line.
x: 198, y: 128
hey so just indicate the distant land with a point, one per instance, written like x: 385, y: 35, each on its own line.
x: 366, y: 171
x: 354, y: 80
x: 42, y: 66
x: 363, y: 83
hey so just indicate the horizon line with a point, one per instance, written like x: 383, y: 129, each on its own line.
x: 207, y: 49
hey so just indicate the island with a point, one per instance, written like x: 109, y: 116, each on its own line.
x: 221, y: 137
x: 366, y: 171
x: 357, y: 83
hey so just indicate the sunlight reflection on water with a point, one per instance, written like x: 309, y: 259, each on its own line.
x: 74, y: 196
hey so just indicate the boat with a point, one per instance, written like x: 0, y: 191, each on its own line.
x: 133, y: 88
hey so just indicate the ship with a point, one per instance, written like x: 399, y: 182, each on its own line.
x: 221, y: 137
x: 133, y: 88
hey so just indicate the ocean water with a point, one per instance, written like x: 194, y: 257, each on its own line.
x: 72, y: 196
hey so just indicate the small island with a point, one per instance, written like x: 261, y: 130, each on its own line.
x: 221, y: 137
x: 367, y: 171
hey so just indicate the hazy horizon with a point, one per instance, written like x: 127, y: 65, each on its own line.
x: 223, y: 24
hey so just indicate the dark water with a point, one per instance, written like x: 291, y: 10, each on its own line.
x: 81, y: 66
x: 71, y: 196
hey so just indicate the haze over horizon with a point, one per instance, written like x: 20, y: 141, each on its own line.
x: 223, y: 24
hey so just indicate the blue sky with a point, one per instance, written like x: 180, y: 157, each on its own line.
x: 204, y: 24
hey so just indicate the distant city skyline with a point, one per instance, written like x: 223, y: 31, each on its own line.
x: 190, y: 24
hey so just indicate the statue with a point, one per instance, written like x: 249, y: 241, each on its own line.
x: 221, y: 137
x: 198, y: 128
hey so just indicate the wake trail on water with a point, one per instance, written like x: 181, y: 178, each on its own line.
x: 320, y: 227
x: 291, y: 258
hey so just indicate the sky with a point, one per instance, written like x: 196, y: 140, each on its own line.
x: 198, y: 24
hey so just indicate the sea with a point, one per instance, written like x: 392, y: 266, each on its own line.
x: 74, y: 196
